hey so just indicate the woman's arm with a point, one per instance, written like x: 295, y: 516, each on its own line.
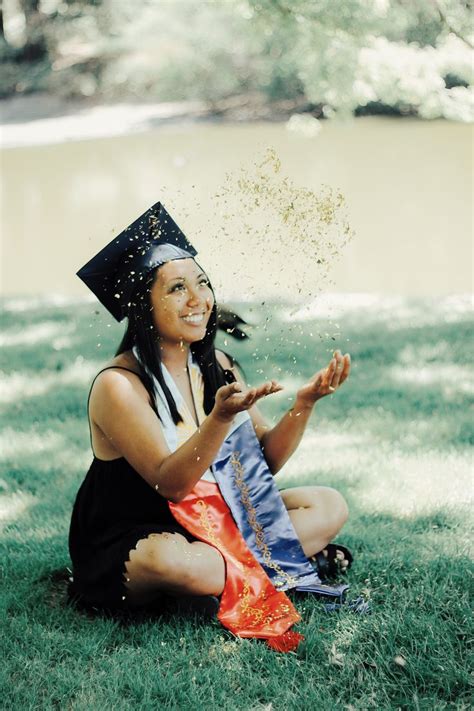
x: 119, y: 406
x: 280, y: 442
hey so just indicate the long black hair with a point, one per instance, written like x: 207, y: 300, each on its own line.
x: 141, y: 332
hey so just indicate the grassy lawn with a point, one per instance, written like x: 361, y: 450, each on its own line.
x: 395, y: 440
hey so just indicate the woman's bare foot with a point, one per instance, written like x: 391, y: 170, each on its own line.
x: 341, y: 562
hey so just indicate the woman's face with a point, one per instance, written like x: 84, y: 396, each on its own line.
x: 182, y: 301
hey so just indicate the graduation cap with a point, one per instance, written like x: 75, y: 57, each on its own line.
x: 117, y: 270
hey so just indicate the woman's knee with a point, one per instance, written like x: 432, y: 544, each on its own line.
x: 336, y: 508
x: 340, y: 505
x: 160, y: 555
x: 330, y: 510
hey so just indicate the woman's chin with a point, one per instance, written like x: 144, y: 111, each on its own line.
x: 195, y: 334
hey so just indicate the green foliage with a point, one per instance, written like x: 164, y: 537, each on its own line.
x: 393, y: 439
x: 359, y: 54
x: 346, y: 57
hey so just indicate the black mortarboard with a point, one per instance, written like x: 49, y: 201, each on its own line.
x: 117, y: 270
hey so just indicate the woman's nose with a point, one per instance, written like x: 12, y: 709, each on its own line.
x: 193, y: 297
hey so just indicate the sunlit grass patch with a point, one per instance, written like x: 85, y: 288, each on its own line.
x: 13, y: 505
x: 395, y: 440
x: 416, y: 484
x: 15, y: 444
x: 17, y: 385
x: 47, y: 331
x: 394, y: 311
x: 27, y: 304
x: 450, y: 378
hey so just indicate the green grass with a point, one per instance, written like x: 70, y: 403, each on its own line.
x: 395, y: 440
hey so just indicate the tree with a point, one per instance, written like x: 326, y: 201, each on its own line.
x: 412, y: 57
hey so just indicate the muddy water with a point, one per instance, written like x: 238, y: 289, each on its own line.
x: 408, y: 187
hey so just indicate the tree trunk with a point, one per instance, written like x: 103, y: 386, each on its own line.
x: 35, y: 45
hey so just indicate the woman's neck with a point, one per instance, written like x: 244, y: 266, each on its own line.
x: 174, y: 355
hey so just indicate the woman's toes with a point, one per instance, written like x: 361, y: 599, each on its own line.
x: 341, y: 562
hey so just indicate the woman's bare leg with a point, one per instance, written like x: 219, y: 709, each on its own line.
x: 168, y: 562
x: 317, y: 512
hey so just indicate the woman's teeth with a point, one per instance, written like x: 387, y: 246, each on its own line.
x: 198, y: 318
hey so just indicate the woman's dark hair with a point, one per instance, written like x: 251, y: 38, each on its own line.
x: 141, y: 332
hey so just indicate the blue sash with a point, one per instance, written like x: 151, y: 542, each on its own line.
x: 249, y: 490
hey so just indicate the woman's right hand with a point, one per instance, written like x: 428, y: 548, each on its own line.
x: 230, y: 399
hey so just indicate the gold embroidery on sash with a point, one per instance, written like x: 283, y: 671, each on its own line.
x: 248, y: 609
x: 256, y: 527
x: 206, y: 522
x: 259, y: 614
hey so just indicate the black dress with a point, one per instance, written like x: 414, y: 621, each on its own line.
x: 113, y: 510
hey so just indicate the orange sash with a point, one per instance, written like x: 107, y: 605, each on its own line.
x: 250, y: 605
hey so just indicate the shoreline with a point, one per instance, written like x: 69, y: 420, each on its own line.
x: 43, y: 119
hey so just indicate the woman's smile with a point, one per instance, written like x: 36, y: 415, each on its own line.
x: 194, y: 319
x: 182, y: 295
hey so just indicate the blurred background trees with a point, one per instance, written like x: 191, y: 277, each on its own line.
x: 354, y: 56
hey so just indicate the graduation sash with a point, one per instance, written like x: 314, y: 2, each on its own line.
x: 237, y: 508
x: 244, y: 517
x: 250, y: 491
x: 250, y: 605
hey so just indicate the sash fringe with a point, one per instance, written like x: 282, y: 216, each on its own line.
x: 286, y: 642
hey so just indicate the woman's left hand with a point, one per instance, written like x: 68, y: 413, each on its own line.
x: 325, y: 381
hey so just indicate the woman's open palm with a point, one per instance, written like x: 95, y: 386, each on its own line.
x: 230, y: 399
x: 327, y: 380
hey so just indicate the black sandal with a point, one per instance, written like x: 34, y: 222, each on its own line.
x: 329, y: 566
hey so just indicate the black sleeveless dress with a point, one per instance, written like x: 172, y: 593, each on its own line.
x: 113, y: 510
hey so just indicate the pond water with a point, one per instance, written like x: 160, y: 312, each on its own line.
x: 407, y: 183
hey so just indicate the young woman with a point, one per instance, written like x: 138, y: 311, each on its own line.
x: 162, y: 413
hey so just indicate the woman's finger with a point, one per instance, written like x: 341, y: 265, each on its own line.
x: 328, y: 375
x: 316, y: 382
x: 259, y: 395
x: 262, y: 390
x: 268, y: 388
x: 347, y: 368
x: 338, y: 371
x: 249, y: 397
x: 228, y: 390
x: 276, y: 387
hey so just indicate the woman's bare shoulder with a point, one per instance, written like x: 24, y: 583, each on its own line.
x: 123, y: 419
x: 124, y: 360
x: 108, y: 376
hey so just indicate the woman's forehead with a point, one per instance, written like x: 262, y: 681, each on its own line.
x: 184, y: 268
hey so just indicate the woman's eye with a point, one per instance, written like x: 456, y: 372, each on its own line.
x: 179, y: 287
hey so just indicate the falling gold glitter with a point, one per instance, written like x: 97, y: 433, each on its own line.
x: 288, y: 225
x: 295, y: 233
